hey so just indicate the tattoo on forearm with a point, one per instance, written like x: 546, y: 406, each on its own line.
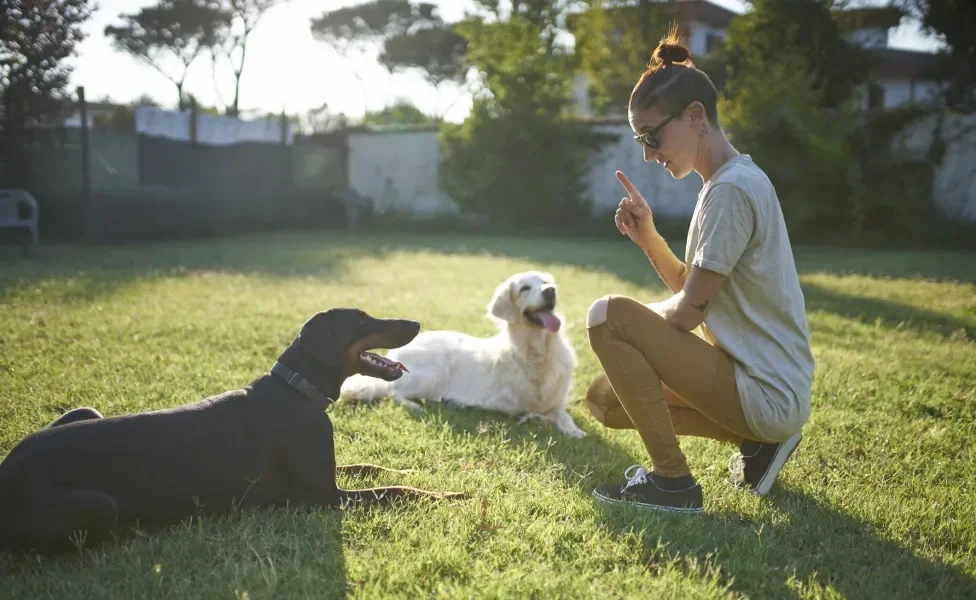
x: 701, y: 307
x: 653, y: 262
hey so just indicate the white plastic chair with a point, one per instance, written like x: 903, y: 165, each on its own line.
x: 10, y: 200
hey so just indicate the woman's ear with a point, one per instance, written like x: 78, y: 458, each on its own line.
x: 695, y: 112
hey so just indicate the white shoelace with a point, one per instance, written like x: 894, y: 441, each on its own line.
x: 635, y: 475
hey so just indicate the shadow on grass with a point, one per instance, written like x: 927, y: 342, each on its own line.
x: 98, y: 271
x: 562, y: 448
x: 256, y: 552
x: 814, y: 546
x: 891, y: 315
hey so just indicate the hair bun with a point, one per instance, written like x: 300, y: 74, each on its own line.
x: 671, y: 53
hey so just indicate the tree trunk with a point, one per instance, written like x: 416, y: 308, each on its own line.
x: 236, y: 109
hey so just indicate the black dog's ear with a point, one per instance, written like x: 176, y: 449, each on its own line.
x: 326, y: 342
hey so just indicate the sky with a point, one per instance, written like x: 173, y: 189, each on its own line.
x: 287, y: 69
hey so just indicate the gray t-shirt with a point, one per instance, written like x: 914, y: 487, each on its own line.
x: 759, y: 316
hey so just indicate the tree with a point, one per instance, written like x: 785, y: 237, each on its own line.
x: 789, y: 102
x: 172, y: 31
x: 363, y: 29
x: 402, y: 112
x: 952, y: 20
x: 437, y: 51
x: 776, y: 116
x: 243, y: 16
x: 773, y: 27
x: 518, y: 158
x: 615, y: 40
x: 35, y: 40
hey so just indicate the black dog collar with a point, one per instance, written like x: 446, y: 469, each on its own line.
x: 299, y: 383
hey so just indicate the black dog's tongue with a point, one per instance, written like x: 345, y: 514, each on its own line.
x: 550, y: 321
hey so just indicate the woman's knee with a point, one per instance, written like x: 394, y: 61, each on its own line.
x: 597, y: 314
x: 613, y: 306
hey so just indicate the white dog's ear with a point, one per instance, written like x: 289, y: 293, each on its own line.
x: 502, y: 306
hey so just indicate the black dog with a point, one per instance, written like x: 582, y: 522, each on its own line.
x: 266, y: 445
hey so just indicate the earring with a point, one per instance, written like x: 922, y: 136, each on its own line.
x: 704, y: 130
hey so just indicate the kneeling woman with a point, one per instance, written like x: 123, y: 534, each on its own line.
x: 747, y: 378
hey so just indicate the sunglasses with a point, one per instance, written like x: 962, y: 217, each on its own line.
x: 649, y: 138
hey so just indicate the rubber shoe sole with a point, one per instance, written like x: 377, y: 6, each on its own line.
x: 607, y: 500
x: 783, y: 454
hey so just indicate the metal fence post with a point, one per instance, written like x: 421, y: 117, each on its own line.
x: 86, y: 203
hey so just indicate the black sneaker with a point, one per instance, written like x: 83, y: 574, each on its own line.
x: 757, y: 464
x: 650, y: 490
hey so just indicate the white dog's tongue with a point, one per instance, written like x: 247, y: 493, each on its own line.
x: 549, y: 320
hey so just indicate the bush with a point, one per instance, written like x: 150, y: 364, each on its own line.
x: 776, y: 117
x: 518, y: 159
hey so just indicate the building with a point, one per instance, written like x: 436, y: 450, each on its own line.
x: 100, y: 114
x: 897, y: 77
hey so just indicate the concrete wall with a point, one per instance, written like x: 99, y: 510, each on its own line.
x: 667, y: 196
x: 954, y: 183
x: 399, y: 171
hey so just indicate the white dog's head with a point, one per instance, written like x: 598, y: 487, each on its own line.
x: 527, y: 298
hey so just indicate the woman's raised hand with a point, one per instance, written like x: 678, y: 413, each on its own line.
x: 633, y: 217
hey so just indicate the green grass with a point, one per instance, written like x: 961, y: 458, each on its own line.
x: 878, y: 502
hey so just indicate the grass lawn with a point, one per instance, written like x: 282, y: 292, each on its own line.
x: 878, y: 502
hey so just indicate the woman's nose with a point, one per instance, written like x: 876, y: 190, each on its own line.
x: 650, y: 155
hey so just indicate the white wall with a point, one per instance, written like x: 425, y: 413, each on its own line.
x: 698, y: 38
x: 581, y: 95
x: 409, y: 160
x: 954, y: 183
x: 665, y: 195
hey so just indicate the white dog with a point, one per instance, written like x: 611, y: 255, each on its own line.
x: 526, y: 369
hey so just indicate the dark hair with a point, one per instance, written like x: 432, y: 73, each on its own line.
x: 672, y: 81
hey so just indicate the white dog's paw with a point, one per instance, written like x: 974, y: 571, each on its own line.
x: 566, y: 425
x: 563, y: 423
x: 573, y: 431
x: 408, y: 404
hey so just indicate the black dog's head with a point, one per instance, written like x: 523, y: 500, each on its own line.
x: 339, y: 339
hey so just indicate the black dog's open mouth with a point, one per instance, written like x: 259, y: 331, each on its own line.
x: 544, y: 317
x: 374, y: 365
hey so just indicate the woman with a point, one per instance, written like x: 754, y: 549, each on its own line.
x: 746, y: 379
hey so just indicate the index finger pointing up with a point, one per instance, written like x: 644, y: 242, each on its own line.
x: 631, y: 190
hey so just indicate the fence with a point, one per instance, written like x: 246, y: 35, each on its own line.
x: 200, y: 174
x: 111, y: 183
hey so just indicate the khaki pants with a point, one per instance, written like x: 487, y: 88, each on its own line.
x: 663, y: 382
